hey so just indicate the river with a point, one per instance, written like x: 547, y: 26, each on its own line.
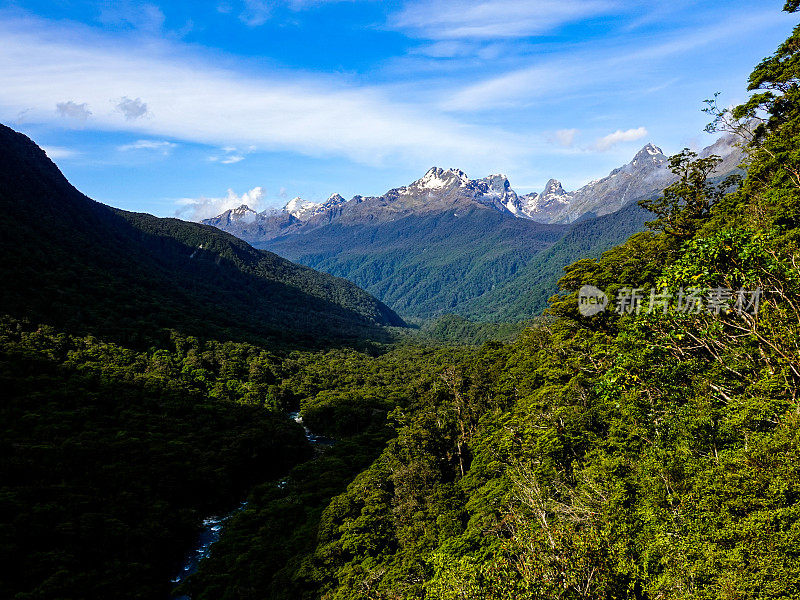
x: 213, y: 525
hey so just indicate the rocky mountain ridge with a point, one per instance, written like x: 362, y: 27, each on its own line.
x: 442, y: 189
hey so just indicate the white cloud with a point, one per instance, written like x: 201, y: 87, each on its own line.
x: 59, y: 152
x: 229, y: 159
x: 72, y: 110
x: 192, y: 100
x: 565, y: 137
x: 491, y: 19
x: 522, y: 86
x: 231, y: 155
x: 444, y: 49
x: 197, y: 209
x: 595, y: 67
x: 618, y: 137
x: 132, y: 109
x: 163, y: 146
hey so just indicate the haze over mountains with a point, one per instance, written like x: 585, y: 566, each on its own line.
x: 448, y: 243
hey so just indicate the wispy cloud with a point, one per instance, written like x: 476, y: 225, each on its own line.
x: 564, y: 137
x: 255, y: 13
x: 228, y: 159
x: 618, y: 137
x: 197, y: 209
x: 193, y: 100
x: 134, y: 15
x: 231, y: 155
x: 162, y: 146
x: 59, y: 152
x: 595, y: 66
x: 517, y: 86
x: 491, y: 19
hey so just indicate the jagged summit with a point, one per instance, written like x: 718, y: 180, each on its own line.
x: 553, y: 188
x: 242, y: 214
x: 497, y: 183
x: 437, y: 178
x: 305, y: 209
x: 297, y: 207
x: 649, y: 154
x: 446, y: 189
x: 651, y: 149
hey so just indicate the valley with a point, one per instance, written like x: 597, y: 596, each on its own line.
x: 449, y: 244
x: 451, y: 391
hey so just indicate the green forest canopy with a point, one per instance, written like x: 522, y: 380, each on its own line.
x: 650, y: 455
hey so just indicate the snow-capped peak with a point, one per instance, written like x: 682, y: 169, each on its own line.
x: 299, y: 208
x: 335, y: 199
x: 305, y: 209
x: 553, y: 188
x: 437, y: 178
x: 652, y: 150
x: 242, y: 213
x: 497, y: 183
x: 649, y: 155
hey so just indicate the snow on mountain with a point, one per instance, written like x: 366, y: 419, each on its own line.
x: 241, y: 214
x: 554, y: 194
x: 445, y: 189
x: 436, y: 179
x: 333, y: 201
x: 496, y: 191
x: 542, y: 207
x: 299, y: 208
x: 646, y: 173
x: 305, y: 209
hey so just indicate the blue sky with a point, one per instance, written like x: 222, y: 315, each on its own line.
x: 190, y: 108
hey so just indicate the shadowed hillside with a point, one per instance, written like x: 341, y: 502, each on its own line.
x: 80, y: 264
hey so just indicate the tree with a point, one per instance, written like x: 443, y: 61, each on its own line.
x: 686, y: 203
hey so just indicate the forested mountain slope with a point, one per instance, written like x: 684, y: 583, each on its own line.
x: 424, y: 265
x: 527, y: 293
x: 450, y: 244
x: 649, y: 452
x: 73, y: 262
x: 131, y: 406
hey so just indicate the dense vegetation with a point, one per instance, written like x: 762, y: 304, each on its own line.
x: 527, y: 293
x: 647, y: 454
x: 424, y: 265
x: 112, y: 457
x: 643, y: 455
x: 142, y: 363
x: 80, y: 265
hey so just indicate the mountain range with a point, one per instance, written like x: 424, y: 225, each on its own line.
x: 450, y: 244
x: 86, y: 267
